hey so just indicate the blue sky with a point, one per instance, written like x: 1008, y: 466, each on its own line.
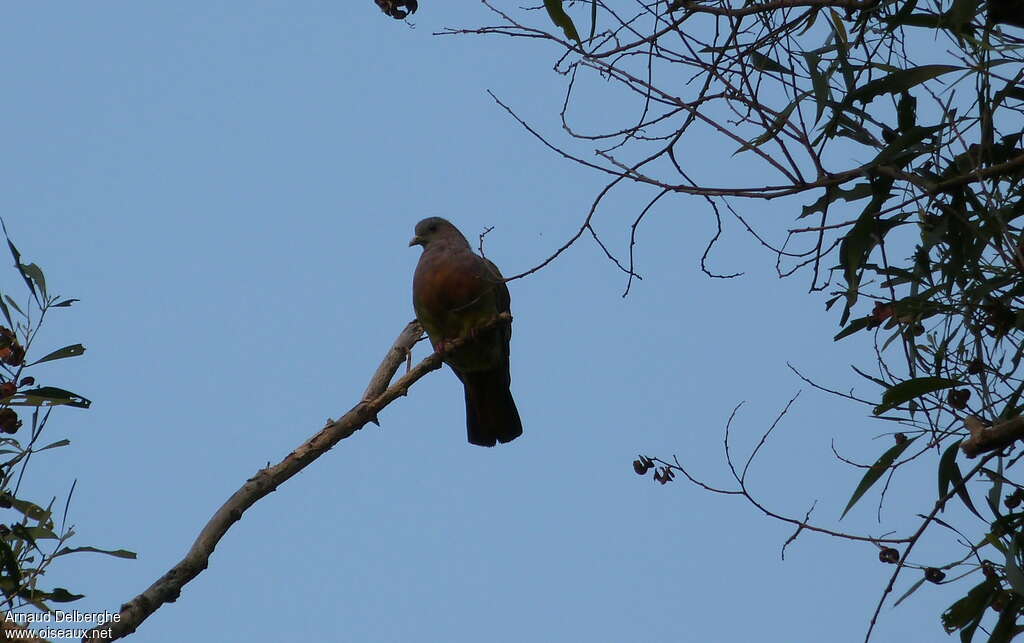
x: 229, y: 191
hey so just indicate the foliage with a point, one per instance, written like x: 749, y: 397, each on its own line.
x: 893, y: 129
x: 30, y: 538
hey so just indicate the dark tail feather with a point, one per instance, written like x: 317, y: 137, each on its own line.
x: 491, y: 414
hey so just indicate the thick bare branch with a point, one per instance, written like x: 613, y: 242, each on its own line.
x: 991, y: 438
x: 168, y: 587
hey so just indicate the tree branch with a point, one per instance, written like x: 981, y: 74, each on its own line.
x: 377, y: 396
x: 991, y: 438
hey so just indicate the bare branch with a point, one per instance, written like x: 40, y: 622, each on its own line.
x: 168, y: 587
x: 991, y: 438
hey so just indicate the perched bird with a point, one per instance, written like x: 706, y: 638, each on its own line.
x: 454, y: 291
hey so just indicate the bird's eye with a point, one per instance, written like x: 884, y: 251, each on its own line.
x: 432, y: 228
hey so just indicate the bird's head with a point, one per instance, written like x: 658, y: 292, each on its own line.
x: 434, y: 229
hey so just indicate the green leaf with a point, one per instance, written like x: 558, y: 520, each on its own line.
x: 857, y: 192
x: 65, y: 303
x: 995, y: 492
x: 61, y: 595
x: 17, y: 262
x: 562, y: 19
x: 6, y: 312
x: 1013, y: 573
x: 780, y: 121
x: 9, y: 562
x: 593, y: 19
x: 875, y: 472
x: 949, y: 473
x: 968, y: 610
x: 14, y: 304
x: 764, y: 63
x: 35, y: 273
x: 1005, y: 628
x: 960, y: 15
x: 907, y: 146
x: 898, y: 81
x: 906, y: 594
x: 49, y: 396
x: 840, y: 29
x: 819, y: 84
x: 858, y: 243
x: 35, y: 533
x: 32, y: 510
x: 117, y: 553
x: 909, y: 389
x: 854, y: 326
x: 54, y: 445
x: 68, y: 351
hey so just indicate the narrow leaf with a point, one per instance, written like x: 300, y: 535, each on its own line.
x: 6, y: 312
x: 49, y: 396
x: 54, y: 445
x: 61, y: 595
x: 906, y: 594
x: 68, y: 351
x: 36, y: 274
x: 117, y: 553
x: 854, y: 326
x: 875, y: 472
x: 561, y: 19
x: 909, y: 389
x: 14, y: 304
x: 764, y: 63
x: 898, y: 81
x: 1013, y: 573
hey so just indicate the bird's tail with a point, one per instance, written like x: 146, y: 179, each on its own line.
x: 491, y: 414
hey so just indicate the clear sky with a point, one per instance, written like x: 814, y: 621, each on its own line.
x: 229, y: 189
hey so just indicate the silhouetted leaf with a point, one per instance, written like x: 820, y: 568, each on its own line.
x: 764, y: 63
x: 913, y: 588
x: 68, y: 351
x: 777, y: 124
x: 14, y: 304
x: 6, y: 312
x: 10, y: 563
x: 1005, y: 628
x: 949, y: 473
x: 49, y: 396
x: 64, y: 303
x: 909, y: 389
x: 61, y: 595
x: 30, y: 509
x: 822, y: 93
x: 35, y: 273
x: 857, y: 192
x: 854, y: 326
x: 54, y: 445
x: 1013, y: 573
x: 967, y: 611
x: 898, y: 81
x: 117, y: 553
x: 561, y: 19
x: 875, y: 472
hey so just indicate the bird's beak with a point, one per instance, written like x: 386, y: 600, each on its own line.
x: 416, y: 241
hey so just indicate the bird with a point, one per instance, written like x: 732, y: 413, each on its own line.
x: 454, y: 292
